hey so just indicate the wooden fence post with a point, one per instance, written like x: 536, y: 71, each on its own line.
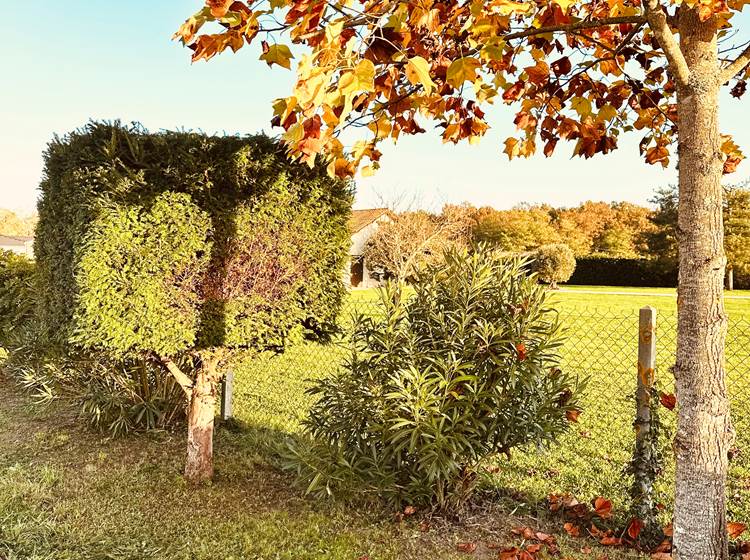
x: 644, y: 455
x: 226, y: 395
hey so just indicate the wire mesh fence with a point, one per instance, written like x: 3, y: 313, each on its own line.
x: 601, y: 347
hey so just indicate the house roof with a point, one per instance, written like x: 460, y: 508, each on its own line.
x: 14, y: 240
x: 360, y: 219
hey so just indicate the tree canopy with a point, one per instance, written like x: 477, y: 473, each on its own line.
x: 582, y: 71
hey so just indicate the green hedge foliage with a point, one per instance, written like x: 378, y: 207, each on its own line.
x: 169, y: 241
x: 17, y: 294
x: 614, y: 271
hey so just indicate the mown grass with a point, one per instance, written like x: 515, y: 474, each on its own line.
x: 601, y: 348
x: 68, y: 494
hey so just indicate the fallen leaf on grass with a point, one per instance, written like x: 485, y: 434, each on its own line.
x: 467, y: 547
x: 735, y: 529
x: 635, y: 528
x: 661, y: 556
x: 602, y: 507
x: 664, y: 546
x: 572, y: 530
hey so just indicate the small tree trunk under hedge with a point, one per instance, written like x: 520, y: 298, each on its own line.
x: 199, y: 466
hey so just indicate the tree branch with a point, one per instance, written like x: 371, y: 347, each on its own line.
x: 183, y: 380
x: 657, y: 21
x: 736, y: 66
x: 577, y: 26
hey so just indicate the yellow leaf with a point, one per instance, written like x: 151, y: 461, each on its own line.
x: 368, y: 171
x: 278, y: 54
x: 606, y: 113
x: 512, y: 148
x: 462, y: 70
x: 581, y: 105
x: 365, y: 73
x: 565, y: 4
x: 508, y: 7
x: 418, y: 72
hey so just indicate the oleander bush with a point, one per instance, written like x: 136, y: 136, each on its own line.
x: 463, y: 369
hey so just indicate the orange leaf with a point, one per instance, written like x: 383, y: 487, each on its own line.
x: 610, y: 541
x: 521, y: 349
x: 544, y: 537
x: 635, y: 528
x: 735, y: 529
x: 602, y: 507
x: 668, y: 400
x: 467, y: 547
x: 661, y: 556
x: 572, y: 415
x: 572, y: 530
x: 410, y: 510
x: 508, y: 554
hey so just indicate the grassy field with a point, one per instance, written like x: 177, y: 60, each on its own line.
x: 68, y: 494
x: 601, y: 347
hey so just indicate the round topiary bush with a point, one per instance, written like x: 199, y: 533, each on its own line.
x: 554, y: 263
x: 463, y: 369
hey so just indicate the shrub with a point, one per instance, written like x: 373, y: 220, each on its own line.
x: 465, y: 368
x: 176, y: 249
x: 554, y: 263
x: 17, y: 294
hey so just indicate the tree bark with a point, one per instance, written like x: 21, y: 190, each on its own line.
x: 199, y: 466
x: 704, y: 433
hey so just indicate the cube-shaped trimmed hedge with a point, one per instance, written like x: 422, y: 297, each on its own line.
x: 169, y: 241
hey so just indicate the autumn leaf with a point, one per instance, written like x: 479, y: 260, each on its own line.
x: 634, y: 528
x: 667, y: 400
x: 219, y: 8
x: 610, y: 541
x: 462, y: 70
x: 572, y: 415
x: 565, y: 4
x: 572, y: 530
x: 658, y: 154
x: 735, y: 529
x: 467, y: 547
x: 277, y: 54
x: 410, y: 510
x: 602, y: 507
x: 521, y: 351
x: 418, y: 72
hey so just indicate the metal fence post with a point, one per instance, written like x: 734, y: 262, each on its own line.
x: 643, y: 455
x: 226, y: 395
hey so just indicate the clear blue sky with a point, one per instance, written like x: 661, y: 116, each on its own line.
x: 66, y: 62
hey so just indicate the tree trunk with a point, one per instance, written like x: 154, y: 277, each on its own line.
x: 199, y: 466
x: 704, y: 432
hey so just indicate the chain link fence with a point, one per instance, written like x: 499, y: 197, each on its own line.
x: 601, y: 348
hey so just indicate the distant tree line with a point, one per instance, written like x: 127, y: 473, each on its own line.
x: 613, y: 242
x: 13, y: 224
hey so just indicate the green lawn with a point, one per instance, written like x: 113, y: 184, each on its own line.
x: 68, y: 494
x: 602, y: 338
